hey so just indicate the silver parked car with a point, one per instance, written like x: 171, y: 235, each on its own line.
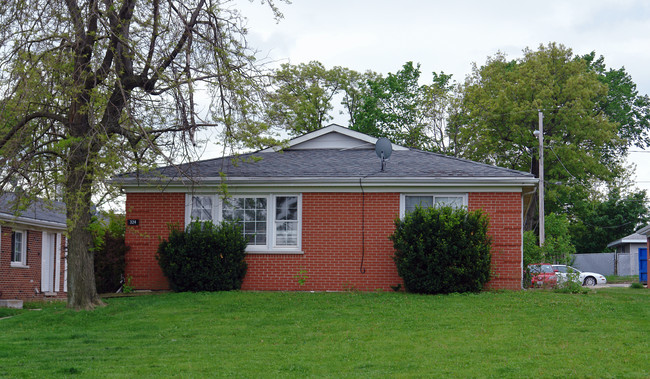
x: 586, y: 278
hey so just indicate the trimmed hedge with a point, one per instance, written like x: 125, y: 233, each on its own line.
x: 204, y: 257
x: 442, y: 250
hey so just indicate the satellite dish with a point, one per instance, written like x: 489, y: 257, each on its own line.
x: 383, y: 148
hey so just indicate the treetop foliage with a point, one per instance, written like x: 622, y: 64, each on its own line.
x: 592, y: 115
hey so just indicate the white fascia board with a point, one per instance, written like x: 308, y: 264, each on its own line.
x: 645, y: 230
x: 31, y: 223
x: 615, y: 243
x: 525, y: 181
x: 348, y: 184
x: 633, y: 240
x: 623, y: 241
x: 329, y: 129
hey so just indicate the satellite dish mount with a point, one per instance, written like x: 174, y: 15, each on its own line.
x: 383, y: 148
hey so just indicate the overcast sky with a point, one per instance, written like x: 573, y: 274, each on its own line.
x: 381, y: 35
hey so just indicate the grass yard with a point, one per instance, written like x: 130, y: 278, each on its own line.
x: 536, y: 333
x: 611, y: 279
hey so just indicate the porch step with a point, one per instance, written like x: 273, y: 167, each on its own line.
x: 18, y: 304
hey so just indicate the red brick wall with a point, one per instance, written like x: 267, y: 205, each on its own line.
x: 333, y: 248
x: 331, y: 242
x: 156, y: 211
x: 505, y: 211
x: 24, y: 283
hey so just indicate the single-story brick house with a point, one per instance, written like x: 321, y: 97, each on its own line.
x: 322, y: 209
x: 32, y: 249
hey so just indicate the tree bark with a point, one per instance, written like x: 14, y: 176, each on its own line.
x: 82, y: 290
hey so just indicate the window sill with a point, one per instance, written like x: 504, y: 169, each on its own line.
x: 281, y: 252
x: 18, y: 265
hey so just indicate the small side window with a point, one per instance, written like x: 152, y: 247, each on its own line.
x: 201, y: 208
x: 18, y: 248
x: 410, y: 202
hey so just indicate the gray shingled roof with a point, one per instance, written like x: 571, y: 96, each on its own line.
x: 329, y: 163
x: 632, y: 238
x: 51, y: 212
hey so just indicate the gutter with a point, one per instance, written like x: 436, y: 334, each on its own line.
x: 32, y: 222
x: 329, y: 181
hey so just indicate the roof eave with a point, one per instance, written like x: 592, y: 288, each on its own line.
x: 133, y: 183
x: 645, y: 230
x: 27, y: 221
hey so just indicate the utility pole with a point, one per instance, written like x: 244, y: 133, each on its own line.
x: 540, y: 136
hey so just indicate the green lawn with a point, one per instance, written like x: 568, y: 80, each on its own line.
x: 536, y: 333
x: 622, y: 279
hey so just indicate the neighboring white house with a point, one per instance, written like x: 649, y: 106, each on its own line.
x: 626, y: 252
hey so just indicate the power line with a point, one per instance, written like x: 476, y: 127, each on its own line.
x: 567, y: 170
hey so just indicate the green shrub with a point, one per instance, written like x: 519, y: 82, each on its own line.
x: 557, y: 246
x: 110, y: 251
x: 110, y: 262
x: 442, y: 250
x: 571, y: 285
x: 532, y: 254
x: 204, y: 257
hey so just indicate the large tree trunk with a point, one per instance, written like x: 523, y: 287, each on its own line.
x: 82, y: 290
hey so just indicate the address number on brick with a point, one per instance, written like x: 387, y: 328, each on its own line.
x: 133, y: 222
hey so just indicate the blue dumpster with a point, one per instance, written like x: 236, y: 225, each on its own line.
x: 643, y: 265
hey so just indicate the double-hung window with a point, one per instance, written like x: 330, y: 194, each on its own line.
x: 18, y: 248
x: 410, y: 202
x: 202, y: 208
x: 270, y: 223
x: 286, y: 221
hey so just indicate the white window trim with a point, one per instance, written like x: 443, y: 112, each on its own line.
x: 23, y: 254
x: 402, y: 200
x: 216, y: 206
x: 269, y: 221
x: 270, y: 247
x: 272, y: 221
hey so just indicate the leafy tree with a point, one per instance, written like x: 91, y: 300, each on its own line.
x: 303, y: 97
x: 601, y: 221
x: 623, y: 104
x: 396, y: 106
x: 91, y: 87
x: 557, y: 246
x: 399, y: 108
x: 532, y: 251
x: 500, y: 112
x: 439, y: 106
x: 355, y: 86
x: 302, y: 100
